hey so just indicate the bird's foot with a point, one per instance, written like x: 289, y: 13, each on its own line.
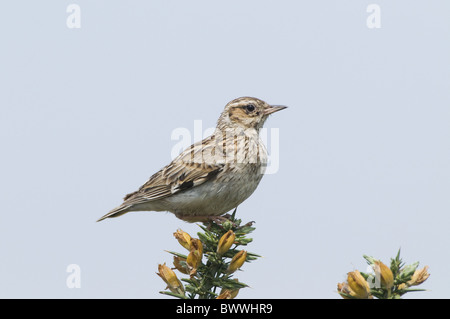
x: 205, y: 219
x: 219, y: 221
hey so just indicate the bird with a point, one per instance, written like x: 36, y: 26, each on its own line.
x: 212, y: 176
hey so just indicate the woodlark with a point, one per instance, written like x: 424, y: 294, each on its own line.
x: 213, y: 176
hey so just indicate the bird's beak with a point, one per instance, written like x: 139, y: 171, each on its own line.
x: 274, y: 108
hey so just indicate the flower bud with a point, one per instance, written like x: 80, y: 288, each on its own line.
x: 343, y: 290
x: 224, y: 294
x: 419, y: 277
x: 180, y: 265
x: 225, y: 242
x: 386, y: 275
x: 183, y: 238
x: 357, y: 285
x: 237, y: 261
x: 194, y: 258
x: 228, y: 293
x: 407, y: 272
x: 169, y: 277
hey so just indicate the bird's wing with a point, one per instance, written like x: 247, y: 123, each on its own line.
x: 191, y: 168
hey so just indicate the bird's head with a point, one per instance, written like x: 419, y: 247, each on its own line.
x: 247, y: 113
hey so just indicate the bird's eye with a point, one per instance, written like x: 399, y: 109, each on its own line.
x: 250, y: 107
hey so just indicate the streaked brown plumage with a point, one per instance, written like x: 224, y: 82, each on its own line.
x: 212, y: 176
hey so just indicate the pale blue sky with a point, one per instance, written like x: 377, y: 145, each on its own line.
x: 87, y: 116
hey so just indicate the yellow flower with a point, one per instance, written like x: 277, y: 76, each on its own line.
x: 237, y: 261
x: 228, y: 293
x: 386, y: 275
x: 194, y: 258
x: 343, y: 290
x: 169, y: 277
x: 225, y: 242
x: 183, y: 238
x: 357, y: 285
x: 402, y: 286
x: 180, y: 265
x: 419, y: 277
x: 225, y: 294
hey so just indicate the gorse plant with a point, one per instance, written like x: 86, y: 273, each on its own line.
x: 384, y: 282
x: 211, y: 261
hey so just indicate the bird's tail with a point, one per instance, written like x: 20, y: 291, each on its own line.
x: 116, y: 212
